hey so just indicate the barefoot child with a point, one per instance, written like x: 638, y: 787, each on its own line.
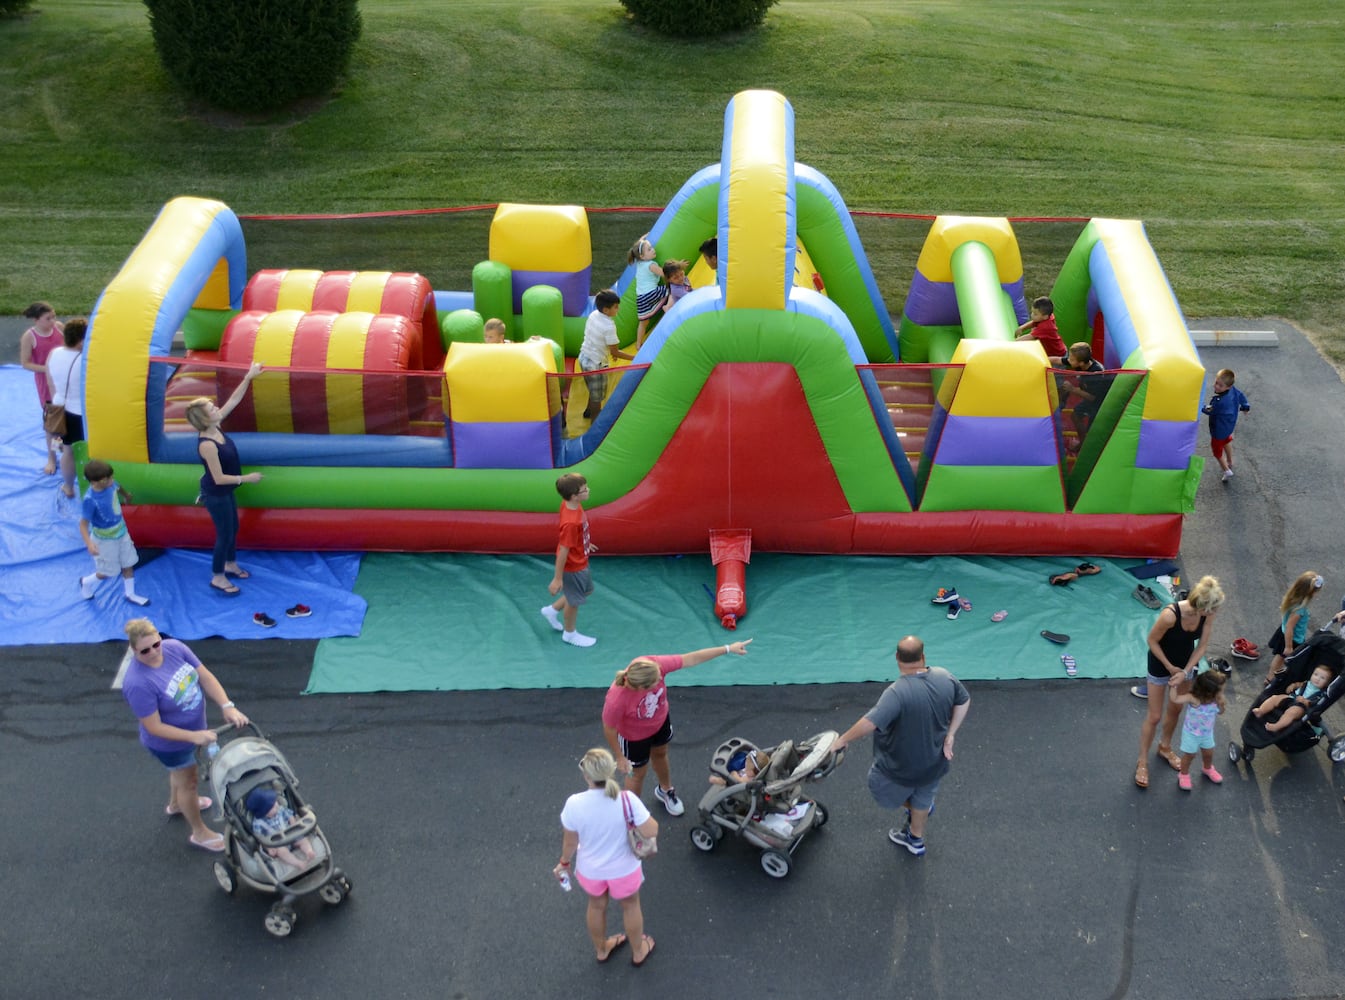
x: 1204, y: 703
x: 1299, y: 699
x: 649, y: 294
x: 493, y: 332
x: 1223, y: 409
x: 38, y: 341
x: 600, y: 343
x: 270, y: 815
x: 1041, y: 327
x: 105, y: 534
x: 675, y: 272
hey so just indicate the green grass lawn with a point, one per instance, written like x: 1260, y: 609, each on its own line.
x: 1221, y: 125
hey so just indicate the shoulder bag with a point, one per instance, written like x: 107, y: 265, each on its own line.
x: 640, y: 845
x: 53, y: 414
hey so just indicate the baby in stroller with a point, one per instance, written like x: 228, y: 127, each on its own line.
x: 1297, y: 701
x: 757, y: 794
x: 271, y: 818
x: 1300, y: 698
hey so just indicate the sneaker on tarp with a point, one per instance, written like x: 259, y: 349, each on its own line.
x: 264, y: 620
x: 946, y: 595
x: 298, y: 611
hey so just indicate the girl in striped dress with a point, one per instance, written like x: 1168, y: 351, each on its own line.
x: 649, y: 294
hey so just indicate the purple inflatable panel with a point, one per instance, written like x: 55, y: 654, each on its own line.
x: 522, y: 445
x: 1166, y: 444
x: 932, y: 303
x: 573, y: 286
x: 1026, y: 441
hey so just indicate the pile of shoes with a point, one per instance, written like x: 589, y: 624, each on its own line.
x: 955, y: 602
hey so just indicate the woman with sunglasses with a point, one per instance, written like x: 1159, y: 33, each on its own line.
x: 167, y: 687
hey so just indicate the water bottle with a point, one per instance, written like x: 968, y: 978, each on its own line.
x: 564, y: 880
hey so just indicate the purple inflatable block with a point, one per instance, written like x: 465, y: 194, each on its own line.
x: 573, y: 287
x: 1166, y: 444
x: 931, y: 303
x: 522, y: 445
x: 998, y: 441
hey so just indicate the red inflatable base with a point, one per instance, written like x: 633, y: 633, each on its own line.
x: 1007, y: 533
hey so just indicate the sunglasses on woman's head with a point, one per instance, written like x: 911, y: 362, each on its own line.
x: 151, y: 647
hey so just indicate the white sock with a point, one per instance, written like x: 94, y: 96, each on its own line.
x: 86, y: 585
x: 128, y: 585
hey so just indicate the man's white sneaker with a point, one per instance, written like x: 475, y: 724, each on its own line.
x: 670, y: 800
x: 553, y: 616
x: 578, y: 639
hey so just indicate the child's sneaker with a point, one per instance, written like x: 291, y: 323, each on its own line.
x: 670, y: 800
x: 904, y: 838
x: 946, y: 595
x: 553, y: 616
x: 1228, y: 474
x: 264, y: 620
x: 298, y: 611
x: 578, y: 639
x: 1245, y: 649
x: 1213, y: 775
x: 1184, y: 782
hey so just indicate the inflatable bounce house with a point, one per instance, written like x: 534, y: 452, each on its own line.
x: 777, y: 398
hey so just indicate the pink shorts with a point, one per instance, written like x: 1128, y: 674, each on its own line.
x: 1217, y: 445
x: 619, y: 888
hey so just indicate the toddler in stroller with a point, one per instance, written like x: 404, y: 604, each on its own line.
x: 757, y: 794
x: 1288, y: 711
x: 272, y: 839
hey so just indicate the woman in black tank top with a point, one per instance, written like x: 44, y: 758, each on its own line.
x: 1177, y: 642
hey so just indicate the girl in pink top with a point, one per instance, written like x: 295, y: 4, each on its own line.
x: 636, y: 721
x: 39, y: 340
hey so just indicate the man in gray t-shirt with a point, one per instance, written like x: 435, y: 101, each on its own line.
x: 914, y: 722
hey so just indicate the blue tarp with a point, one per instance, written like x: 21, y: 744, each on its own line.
x: 42, y: 557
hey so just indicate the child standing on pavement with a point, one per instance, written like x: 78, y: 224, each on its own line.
x: 1223, y: 409
x: 1293, y: 630
x: 1041, y: 327
x: 105, y: 534
x: 571, y: 580
x: 1204, y: 703
x: 649, y: 294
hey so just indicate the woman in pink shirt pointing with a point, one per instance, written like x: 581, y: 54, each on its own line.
x: 636, y: 721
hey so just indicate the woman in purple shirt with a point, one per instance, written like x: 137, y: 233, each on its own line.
x: 166, y: 686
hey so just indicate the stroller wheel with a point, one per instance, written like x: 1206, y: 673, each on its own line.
x: 280, y: 920
x: 225, y: 877
x: 703, y: 838
x: 1234, y: 752
x: 332, y: 893
x: 343, y: 882
x: 1337, y: 750
x: 775, y: 864
x: 821, y: 814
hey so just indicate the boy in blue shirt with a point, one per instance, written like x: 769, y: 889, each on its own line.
x: 1223, y: 408
x: 105, y: 534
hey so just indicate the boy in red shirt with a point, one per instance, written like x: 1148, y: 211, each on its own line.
x: 1041, y: 326
x: 571, y: 580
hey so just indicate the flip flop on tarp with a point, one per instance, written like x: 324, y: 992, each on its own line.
x: 1056, y: 637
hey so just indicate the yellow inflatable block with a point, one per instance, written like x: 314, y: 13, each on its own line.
x: 1002, y: 380
x: 346, y: 346
x: 541, y: 237
x: 215, y: 294
x: 1176, y: 373
x: 758, y: 201
x: 296, y: 290
x: 950, y: 231
x: 499, y: 383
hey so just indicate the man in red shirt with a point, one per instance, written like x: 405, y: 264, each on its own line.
x: 571, y: 580
x: 1041, y: 326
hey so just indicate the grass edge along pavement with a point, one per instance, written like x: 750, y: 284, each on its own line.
x: 1219, y: 137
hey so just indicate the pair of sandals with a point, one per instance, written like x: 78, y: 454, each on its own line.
x: 1083, y: 569
x: 1142, y: 768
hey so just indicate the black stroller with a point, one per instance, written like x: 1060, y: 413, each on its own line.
x: 767, y: 810
x: 1325, y: 648
x: 244, y: 762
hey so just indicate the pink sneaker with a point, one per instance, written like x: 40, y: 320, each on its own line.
x: 1184, y: 782
x: 1213, y: 775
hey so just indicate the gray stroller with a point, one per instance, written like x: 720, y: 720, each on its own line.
x: 767, y: 809
x: 246, y: 761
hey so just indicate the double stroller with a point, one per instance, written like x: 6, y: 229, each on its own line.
x: 1325, y: 648
x: 246, y: 766
x: 765, y: 805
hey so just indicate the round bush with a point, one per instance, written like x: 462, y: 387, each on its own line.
x: 254, y: 55
x: 698, y: 18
